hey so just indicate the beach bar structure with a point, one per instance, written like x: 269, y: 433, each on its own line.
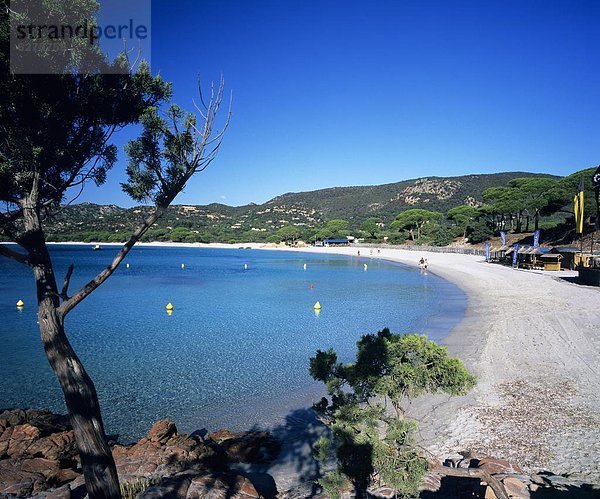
x: 498, y: 254
x: 552, y: 261
x: 341, y: 241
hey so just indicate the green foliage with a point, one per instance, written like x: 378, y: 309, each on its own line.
x: 260, y: 223
x: 371, y: 226
x: 415, y: 219
x: 288, y: 234
x: 333, y: 228
x: 464, y: 216
x: 481, y: 231
x: 333, y: 484
x: 130, y: 490
x: 366, y: 438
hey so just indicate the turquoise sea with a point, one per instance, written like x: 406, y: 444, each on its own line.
x: 234, y: 352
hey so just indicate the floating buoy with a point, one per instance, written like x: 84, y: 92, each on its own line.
x: 312, y: 286
x: 127, y: 265
x: 183, y: 265
x: 366, y: 266
x: 169, y: 312
x: 304, y: 266
x: 20, y: 304
x: 170, y: 306
x: 245, y: 266
x: 317, y: 306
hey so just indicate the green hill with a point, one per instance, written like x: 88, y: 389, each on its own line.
x: 252, y: 222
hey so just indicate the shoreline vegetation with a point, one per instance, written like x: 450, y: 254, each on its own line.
x: 530, y: 338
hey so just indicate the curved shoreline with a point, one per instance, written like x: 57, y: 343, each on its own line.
x: 533, y: 340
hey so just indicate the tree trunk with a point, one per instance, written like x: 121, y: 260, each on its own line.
x: 78, y: 389
x: 536, y: 219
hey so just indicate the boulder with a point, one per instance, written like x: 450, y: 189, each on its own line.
x: 247, y: 446
x: 162, y: 430
x: 221, y: 486
x: 164, y: 452
x: 494, y: 465
x: 23, y: 477
x: 515, y: 488
x: 227, y: 485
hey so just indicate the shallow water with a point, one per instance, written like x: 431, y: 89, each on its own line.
x: 235, y: 350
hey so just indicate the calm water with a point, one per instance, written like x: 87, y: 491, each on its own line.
x: 235, y: 350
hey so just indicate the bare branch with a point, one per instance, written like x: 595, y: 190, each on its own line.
x: 84, y: 292
x: 14, y: 255
x: 195, y: 162
x: 66, y: 282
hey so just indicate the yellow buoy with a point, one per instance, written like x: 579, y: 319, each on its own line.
x: 20, y: 304
x: 183, y: 265
x: 170, y: 306
x: 169, y: 312
x: 127, y: 266
x: 317, y: 306
x: 304, y: 266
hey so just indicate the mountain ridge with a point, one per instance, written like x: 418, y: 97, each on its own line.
x: 307, y: 209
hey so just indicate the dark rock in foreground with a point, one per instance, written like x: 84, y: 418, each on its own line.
x: 38, y: 457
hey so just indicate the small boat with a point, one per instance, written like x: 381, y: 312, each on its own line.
x: 97, y: 247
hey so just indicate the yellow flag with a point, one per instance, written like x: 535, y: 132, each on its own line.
x: 578, y: 208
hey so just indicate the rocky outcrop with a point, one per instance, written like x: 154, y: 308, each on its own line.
x: 38, y: 457
x: 203, y: 486
x: 37, y: 452
x: 472, y: 477
x: 247, y: 446
x: 165, y: 452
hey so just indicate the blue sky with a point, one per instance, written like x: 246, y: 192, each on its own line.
x: 333, y: 93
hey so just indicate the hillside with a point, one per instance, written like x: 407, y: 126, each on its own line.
x: 306, y: 210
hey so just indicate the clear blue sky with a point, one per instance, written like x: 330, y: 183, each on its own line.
x: 335, y: 93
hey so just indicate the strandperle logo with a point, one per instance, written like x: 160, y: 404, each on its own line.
x: 48, y: 38
x: 87, y: 30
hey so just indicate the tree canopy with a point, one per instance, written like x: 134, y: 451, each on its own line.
x: 333, y: 228
x: 389, y: 369
x: 415, y: 219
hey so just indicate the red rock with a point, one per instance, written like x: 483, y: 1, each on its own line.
x: 21, y: 438
x: 248, y: 446
x: 221, y: 486
x: 162, y: 430
x: 494, y: 465
x: 22, y: 477
x: 515, y: 488
x: 56, y: 446
x: 172, y: 487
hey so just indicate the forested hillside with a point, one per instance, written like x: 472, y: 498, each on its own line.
x: 366, y: 209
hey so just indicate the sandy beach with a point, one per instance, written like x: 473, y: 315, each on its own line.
x: 533, y: 340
